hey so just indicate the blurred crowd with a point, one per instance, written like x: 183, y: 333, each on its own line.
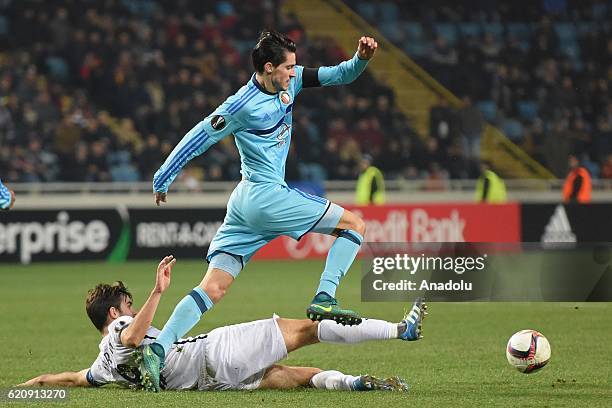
x: 540, y: 70
x: 103, y: 90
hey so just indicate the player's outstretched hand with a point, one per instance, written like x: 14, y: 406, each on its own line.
x: 366, y: 47
x: 29, y: 383
x: 164, y: 271
x: 160, y: 198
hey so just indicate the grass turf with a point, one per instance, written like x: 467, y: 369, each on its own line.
x: 460, y: 362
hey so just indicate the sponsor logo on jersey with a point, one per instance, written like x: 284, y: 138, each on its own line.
x: 282, y: 135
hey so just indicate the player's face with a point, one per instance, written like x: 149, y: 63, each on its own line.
x: 282, y: 74
x: 125, y: 308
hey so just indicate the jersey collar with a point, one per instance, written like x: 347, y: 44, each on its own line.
x: 260, y: 87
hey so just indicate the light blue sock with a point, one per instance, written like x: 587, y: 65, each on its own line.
x: 185, y: 315
x: 339, y: 259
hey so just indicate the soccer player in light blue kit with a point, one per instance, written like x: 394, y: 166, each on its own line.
x: 262, y: 207
x: 7, y: 197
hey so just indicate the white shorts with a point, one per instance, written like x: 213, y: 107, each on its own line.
x: 237, y: 356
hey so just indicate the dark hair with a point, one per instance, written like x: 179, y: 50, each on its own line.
x: 271, y: 46
x: 101, y: 298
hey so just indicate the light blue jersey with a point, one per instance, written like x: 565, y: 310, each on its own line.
x: 5, y: 196
x: 261, y: 123
x: 261, y: 207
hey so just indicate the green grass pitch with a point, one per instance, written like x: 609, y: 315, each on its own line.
x: 460, y: 362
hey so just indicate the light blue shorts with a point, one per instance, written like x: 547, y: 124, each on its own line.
x: 259, y: 212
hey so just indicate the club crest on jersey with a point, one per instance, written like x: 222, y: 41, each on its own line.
x: 217, y: 122
x: 285, y: 97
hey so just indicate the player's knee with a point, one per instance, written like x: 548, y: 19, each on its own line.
x: 315, y: 371
x: 215, y: 291
x: 309, y: 372
x: 309, y: 332
x: 359, y: 226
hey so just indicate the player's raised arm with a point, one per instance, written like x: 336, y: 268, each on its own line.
x: 221, y: 123
x: 65, y: 379
x: 345, y: 72
x: 134, y: 333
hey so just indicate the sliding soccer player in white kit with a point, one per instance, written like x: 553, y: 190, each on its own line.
x: 238, y: 357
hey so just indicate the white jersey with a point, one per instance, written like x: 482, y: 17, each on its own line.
x: 116, y: 363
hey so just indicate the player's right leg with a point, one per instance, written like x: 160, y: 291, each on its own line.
x: 186, y: 315
x: 233, y: 244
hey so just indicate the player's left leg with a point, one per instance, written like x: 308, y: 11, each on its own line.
x: 303, y: 332
x: 279, y: 377
x: 410, y: 328
x: 335, y: 380
x: 275, y: 210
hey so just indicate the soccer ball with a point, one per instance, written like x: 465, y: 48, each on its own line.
x: 528, y: 351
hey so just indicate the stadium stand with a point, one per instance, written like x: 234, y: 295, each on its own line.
x: 95, y: 91
x: 539, y: 70
x: 103, y: 91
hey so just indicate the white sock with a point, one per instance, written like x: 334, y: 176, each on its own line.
x: 369, y: 329
x: 333, y: 380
